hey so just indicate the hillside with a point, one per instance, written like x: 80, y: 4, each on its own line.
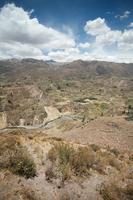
x: 64, y: 128
x: 84, y: 89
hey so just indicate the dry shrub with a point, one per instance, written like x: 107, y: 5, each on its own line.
x: 52, y: 154
x: 106, y: 158
x: 50, y: 173
x: 111, y: 192
x: 28, y: 194
x: 8, y: 142
x: 115, y: 151
x: 78, y: 161
x: 129, y: 190
x: 16, y: 159
x: 61, y: 154
x: 64, y: 195
x: 22, y: 164
x: 72, y: 161
x: 82, y: 161
x: 95, y: 147
x: 114, y: 192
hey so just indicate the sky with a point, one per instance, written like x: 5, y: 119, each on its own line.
x: 64, y: 30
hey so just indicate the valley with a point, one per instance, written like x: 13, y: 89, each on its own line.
x: 64, y: 128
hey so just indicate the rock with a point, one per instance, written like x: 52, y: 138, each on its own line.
x: 22, y: 122
x: 3, y: 120
x: 52, y: 113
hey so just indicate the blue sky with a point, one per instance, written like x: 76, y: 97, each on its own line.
x: 113, y: 17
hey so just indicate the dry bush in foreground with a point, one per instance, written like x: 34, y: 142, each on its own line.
x: 72, y: 161
x: 22, y: 164
x: 82, y: 160
x: 16, y: 159
x: 79, y: 161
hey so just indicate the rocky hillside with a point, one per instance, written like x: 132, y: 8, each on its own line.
x: 86, y: 90
x: 66, y: 130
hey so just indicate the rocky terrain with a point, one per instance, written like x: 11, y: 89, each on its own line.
x: 66, y: 130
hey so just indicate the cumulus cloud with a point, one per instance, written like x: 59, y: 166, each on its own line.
x: 18, y: 29
x: 124, y: 15
x: 126, y: 40
x: 107, y: 38
x: 23, y: 36
x: 18, y: 50
x: 96, y: 27
x: 104, y: 35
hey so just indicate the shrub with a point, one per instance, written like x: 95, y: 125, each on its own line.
x: 49, y: 173
x: 115, y: 151
x: 18, y: 161
x: 130, y: 113
x: 62, y: 153
x: 28, y: 194
x: 113, y: 192
x: 110, y: 192
x: 65, y: 152
x: 82, y: 161
x: 22, y: 164
x: 52, y: 154
x: 95, y: 147
x: 71, y: 161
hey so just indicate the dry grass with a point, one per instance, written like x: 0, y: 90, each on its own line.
x: 82, y: 160
x: 114, y: 192
x: 28, y: 194
x: 22, y: 164
x: 66, y: 126
x: 111, y: 192
x: 61, y: 154
x: 95, y: 147
x: 15, y: 158
x: 78, y: 161
x: 72, y: 161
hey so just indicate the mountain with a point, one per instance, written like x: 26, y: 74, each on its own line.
x: 76, y: 68
x: 28, y: 85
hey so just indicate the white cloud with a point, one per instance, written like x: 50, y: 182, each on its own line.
x: 110, y: 44
x: 18, y: 28
x: 124, y: 15
x: 18, y: 50
x: 108, y: 38
x: 126, y: 40
x: 22, y: 36
x: 65, y: 55
x: 131, y: 25
x: 96, y: 27
x: 85, y: 45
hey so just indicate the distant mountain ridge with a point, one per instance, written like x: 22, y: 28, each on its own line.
x: 30, y: 66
